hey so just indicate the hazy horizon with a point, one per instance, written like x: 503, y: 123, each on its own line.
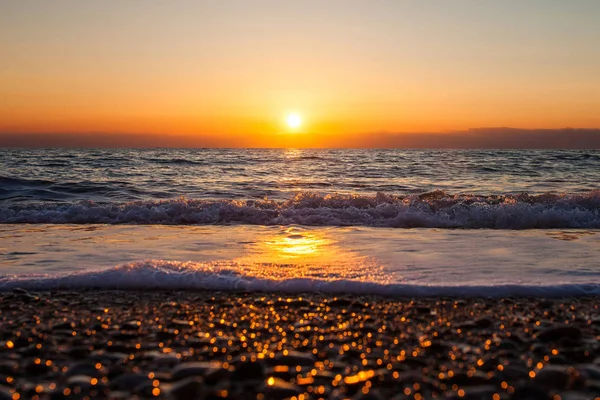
x: 475, y: 138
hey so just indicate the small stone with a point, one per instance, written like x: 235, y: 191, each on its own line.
x: 553, y: 377
x: 508, y: 345
x: 198, y: 368
x: 461, y: 379
x: 340, y: 302
x: 189, y: 388
x: 5, y: 393
x: 570, y: 395
x: 279, y: 389
x: 484, y: 323
x: 477, y: 392
x: 109, y: 357
x: 64, y: 325
x: 372, y: 395
x: 465, y: 326
x: 81, y: 381
x: 161, y: 359
x: 589, y: 371
x: 84, y: 368
x: 249, y: 370
x: 128, y: 381
x: 293, y: 358
x: 558, y: 333
x: 530, y: 392
x: 513, y: 373
x: 8, y: 367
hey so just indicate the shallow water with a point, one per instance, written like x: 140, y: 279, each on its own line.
x: 296, y: 258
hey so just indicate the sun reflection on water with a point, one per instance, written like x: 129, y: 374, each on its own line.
x: 298, y: 245
x: 296, y: 252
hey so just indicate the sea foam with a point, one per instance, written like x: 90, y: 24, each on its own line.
x: 429, y: 210
x: 172, y: 275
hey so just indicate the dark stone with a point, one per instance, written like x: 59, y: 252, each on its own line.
x: 64, y: 325
x: 249, y: 370
x: 32, y: 368
x: 465, y: 326
x: 422, y: 310
x: 558, y: 333
x: 508, y: 345
x: 340, y: 302
x: 462, y: 379
x: 484, y: 323
x: 589, y: 371
x: 84, y: 368
x: 80, y: 381
x: 476, y: 393
x: 189, y: 388
x: 5, y: 393
x: 553, y: 377
x: 372, y: 395
x: 569, y: 395
x: 8, y: 367
x: 128, y: 381
x: 79, y: 352
x: 210, y: 371
x: 279, y: 389
x: 293, y: 358
x: 530, y: 392
x: 512, y: 373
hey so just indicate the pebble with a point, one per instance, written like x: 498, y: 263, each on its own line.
x: 279, y: 389
x: 293, y: 358
x: 187, y: 389
x: 221, y: 345
x: 128, y: 381
x: 5, y: 393
x: 558, y: 333
x: 554, y: 377
x: 249, y: 370
x: 197, y: 368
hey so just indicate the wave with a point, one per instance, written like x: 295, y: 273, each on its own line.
x: 8, y: 182
x: 174, y: 161
x: 429, y: 210
x: 172, y: 275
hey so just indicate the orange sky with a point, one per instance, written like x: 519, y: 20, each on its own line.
x: 235, y: 69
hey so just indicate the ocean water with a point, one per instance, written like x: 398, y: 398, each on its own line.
x: 398, y: 222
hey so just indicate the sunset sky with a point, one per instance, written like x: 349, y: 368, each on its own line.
x: 221, y: 72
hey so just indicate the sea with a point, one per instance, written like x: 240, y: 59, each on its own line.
x: 340, y: 221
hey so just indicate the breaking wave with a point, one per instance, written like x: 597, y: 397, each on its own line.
x: 172, y: 275
x: 435, y: 209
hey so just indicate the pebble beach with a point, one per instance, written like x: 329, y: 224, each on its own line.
x: 217, y: 345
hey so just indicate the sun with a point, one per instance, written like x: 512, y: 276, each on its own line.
x: 294, y: 120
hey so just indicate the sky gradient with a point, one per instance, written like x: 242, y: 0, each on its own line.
x: 223, y: 72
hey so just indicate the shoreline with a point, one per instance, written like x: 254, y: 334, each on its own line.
x: 191, y: 344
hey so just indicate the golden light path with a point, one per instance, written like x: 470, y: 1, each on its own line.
x: 296, y: 252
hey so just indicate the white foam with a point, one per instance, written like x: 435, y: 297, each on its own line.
x: 429, y: 210
x: 171, y: 275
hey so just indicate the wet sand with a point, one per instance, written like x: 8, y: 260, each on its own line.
x: 200, y: 345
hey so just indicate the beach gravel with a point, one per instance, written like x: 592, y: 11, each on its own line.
x: 217, y: 345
